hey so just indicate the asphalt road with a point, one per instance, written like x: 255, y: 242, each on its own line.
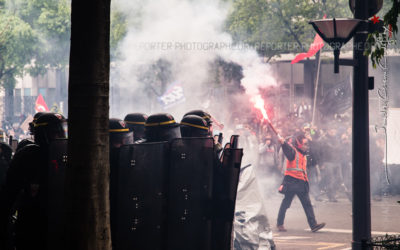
x: 337, y: 234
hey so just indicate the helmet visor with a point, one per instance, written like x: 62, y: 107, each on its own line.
x: 119, y: 139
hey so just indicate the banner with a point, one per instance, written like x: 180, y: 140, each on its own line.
x: 337, y: 99
x: 314, y: 48
x: 173, y: 96
x: 40, y: 104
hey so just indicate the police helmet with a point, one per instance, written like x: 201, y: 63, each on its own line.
x: 32, y: 123
x: 24, y: 143
x: 50, y: 126
x: 194, y: 126
x: 119, y: 133
x: 161, y: 127
x: 203, y: 114
x: 135, y: 122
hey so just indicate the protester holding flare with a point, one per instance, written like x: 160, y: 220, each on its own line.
x: 295, y: 181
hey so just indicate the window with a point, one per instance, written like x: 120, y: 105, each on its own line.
x: 17, y: 92
x: 299, y: 91
x: 42, y: 91
x: 27, y: 92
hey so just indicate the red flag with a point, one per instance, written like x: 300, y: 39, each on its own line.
x: 40, y: 105
x: 314, y: 48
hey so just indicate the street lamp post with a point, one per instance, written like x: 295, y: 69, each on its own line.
x: 361, y: 176
x: 336, y: 32
x: 329, y: 31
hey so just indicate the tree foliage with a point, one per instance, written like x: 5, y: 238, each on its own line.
x: 118, y: 30
x: 55, y: 23
x: 378, y: 41
x: 17, y: 46
x: 280, y: 26
x: 49, y: 22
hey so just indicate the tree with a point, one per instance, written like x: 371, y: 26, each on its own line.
x: 274, y: 27
x: 48, y: 21
x: 379, y: 40
x: 17, y: 45
x: 118, y: 31
x: 87, y: 183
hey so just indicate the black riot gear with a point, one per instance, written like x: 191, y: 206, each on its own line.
x: 194, y: 126
x: 119, y: 133
x: 161, y: 127
x: 135, y: 122
x: 168, y: 192
x: 34, y: 188
x: 23, y: 143
x: 48, y: 127
x: 139, y: 198
x: 32, y: 123
x: 206, y: 116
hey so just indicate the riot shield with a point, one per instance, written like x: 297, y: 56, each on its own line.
x: 141, y: 198
x: 55, y: 200
x: 190, y: 194
x: 225, y: 189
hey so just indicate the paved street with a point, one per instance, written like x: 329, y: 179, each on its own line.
x: 338, y: 232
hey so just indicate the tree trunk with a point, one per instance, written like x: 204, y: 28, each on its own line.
x: 87, y: 180
x: 9, y: 104
x: 62, y: 88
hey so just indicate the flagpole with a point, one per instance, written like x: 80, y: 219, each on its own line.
x: 316, y: 87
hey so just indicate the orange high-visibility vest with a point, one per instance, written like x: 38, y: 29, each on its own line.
x: 298, y: 167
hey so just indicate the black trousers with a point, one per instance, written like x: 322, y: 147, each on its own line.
x: 305, y: 202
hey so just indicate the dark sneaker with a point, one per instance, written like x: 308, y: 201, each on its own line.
x: 317, y: 227
x: 281, y: 228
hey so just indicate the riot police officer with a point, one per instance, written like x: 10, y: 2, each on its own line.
x: 27, y: 181
x: 194, y: 126
x: 119, y: 135
x: 32, y: 123
x: 29, y: 141
x: 161, y: 127
x: 135, y: 122
x: 206, y: 116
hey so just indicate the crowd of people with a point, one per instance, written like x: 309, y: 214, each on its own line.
x: 311, y: 160
x: 329, y: 156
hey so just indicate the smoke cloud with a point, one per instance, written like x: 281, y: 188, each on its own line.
x: 189, y: 36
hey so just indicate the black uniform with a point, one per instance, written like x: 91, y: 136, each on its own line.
x: 26, y: 191
x: 26, y: 188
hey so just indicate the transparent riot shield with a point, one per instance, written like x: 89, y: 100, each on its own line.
x: 141, y: 199
x: 225, y: 189
x: 55, y: 200
x: 190, y: 194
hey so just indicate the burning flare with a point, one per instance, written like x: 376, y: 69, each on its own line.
x: 259, y: 104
